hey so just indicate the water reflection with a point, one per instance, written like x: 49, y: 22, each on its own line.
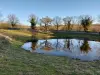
x: 46, y: 45
x: 34, y: 43
x: 85, y: 48
x: 68, y: 44
x: 57, y: 45
x: 73, y: 48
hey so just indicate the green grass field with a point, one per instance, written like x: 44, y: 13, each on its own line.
x: 16, y: 61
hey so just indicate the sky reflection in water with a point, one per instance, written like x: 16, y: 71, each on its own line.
x: 78, y: 49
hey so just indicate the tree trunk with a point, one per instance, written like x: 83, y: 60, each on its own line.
x: 66, y: 27
x: 68, y: 44
x: 46, y: 27
x: 85, y: 29
x: 57, y: 27
x: 13, y: 25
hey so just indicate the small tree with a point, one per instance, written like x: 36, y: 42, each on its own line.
x: 68, y: 23
x: 86, y: 22
x: 33, y: 21
x: 13, y: 20
x: 46, y: 21
x: 79, y: 26
x: 57, y: 21
x: 40, y: 24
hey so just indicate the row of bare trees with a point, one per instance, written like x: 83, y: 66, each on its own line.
x: 85, y: 21
x: 68, y: 22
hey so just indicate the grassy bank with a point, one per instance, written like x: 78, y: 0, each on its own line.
x: 76, y: 35
x: 16, y: 61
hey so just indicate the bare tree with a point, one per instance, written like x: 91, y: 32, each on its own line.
x: 68, y: 22
x: 79, y: 26
x: 57, y: 21
x: 13, y: 20
x: 40, y: 24
x: 46, y: 21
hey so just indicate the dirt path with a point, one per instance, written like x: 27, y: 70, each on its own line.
x: 6, y: 37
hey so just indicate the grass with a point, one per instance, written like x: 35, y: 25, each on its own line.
x: 16, y: 61
x: 4, y: 25
x: 18, y: 35
x: 74, y: 35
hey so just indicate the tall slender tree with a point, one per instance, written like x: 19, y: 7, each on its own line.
x: 33, y: 21
x: 68, y: 22
x: 57, y: 21
x: 40, y: 24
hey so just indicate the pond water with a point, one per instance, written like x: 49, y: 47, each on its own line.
x: 83, y: 50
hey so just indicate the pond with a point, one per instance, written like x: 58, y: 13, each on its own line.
x: 83, y: 50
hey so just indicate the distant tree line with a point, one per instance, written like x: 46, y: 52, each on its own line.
x: 68, y: 22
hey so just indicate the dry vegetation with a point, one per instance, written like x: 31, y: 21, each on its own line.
x: 6, y: 26
x: 94, y: 27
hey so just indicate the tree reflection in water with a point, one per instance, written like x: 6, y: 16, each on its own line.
x: 57, y: 45
x: 74, y: 48
x: 99, y: 40
x: 68, y: 45
x: 47, y: 45
x: 34, y: 43
x: 85, y: 48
